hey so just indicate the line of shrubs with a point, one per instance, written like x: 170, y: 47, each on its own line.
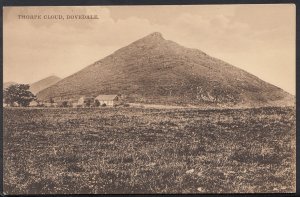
x: 66, y: 104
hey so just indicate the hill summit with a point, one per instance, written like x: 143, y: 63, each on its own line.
x: 43, y: 83
x: 155, y: 70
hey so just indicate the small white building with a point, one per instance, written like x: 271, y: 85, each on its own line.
x: 15, y: 104
x: 33, y: 104
x: 108, y: 100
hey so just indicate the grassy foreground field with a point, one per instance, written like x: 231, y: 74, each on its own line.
x: 132, y: 150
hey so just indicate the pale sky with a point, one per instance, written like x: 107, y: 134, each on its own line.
x: 257, y: 38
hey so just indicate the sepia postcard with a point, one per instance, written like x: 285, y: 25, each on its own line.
x: 176, y: 99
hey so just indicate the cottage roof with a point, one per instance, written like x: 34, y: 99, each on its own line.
x: 106, y: 97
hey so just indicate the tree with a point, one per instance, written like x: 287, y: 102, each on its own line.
x: 88, y: 102
x: 18, y: 93
x: 51, y: 100
x: 64, y: 104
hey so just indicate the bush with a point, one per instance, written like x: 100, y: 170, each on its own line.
x: 103, y: 105
x: 63, y: 104
x: 96, y: 103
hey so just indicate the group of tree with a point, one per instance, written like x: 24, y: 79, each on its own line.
x: 18, y: 93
